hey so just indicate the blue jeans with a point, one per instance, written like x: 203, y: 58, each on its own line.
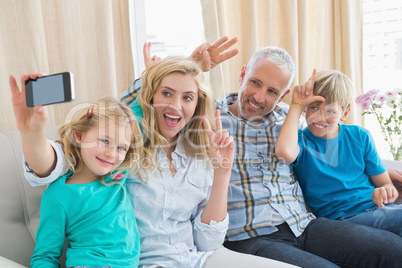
x: 387, y: 218
x: 327, y: 243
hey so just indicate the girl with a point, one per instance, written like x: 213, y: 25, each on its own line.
x: 88, y: 205
x: 182, y: 210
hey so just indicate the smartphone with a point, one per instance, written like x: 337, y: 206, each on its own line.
x: 50, y: 89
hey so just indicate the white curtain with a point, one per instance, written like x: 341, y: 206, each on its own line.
x: 321, y: 34
x: 89, y: 38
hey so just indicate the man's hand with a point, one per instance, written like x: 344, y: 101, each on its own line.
x: 208, y: 56
x: 396, y: 177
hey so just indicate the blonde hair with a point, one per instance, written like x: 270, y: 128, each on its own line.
x: 194, y: 130
x: 334, y: 86
x: 110, y: 110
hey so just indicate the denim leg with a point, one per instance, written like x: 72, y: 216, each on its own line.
x: 281, y: 246
x: 352, y: 245
x: 387, y: 218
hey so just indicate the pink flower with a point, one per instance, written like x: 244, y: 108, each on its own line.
x: 389, y: 93
x: 380, y: 98
x: 365, y: 100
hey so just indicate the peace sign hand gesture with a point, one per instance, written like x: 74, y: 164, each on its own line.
x: 221, y: 144
x: 208, y: 56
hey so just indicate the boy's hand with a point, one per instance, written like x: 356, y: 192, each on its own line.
x: 29, y: 120
x: 208, y: 56
x: 385, y: 194
x: 148, y: 60
x: 303, y: 94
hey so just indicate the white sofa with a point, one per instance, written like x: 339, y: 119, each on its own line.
x: 20, y: 203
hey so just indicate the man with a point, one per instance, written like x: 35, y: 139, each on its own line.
x: 267, y: 212
x: 266, y: 208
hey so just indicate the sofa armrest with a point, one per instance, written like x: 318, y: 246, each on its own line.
x: 6, y: 263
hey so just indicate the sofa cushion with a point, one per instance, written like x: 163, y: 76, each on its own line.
x: 19, y: 201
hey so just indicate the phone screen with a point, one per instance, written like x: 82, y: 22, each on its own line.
x: 49, y: 89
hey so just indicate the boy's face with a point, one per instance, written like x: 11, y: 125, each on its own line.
x: 323, y: 118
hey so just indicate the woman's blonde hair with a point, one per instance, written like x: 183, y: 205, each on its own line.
x: 194, y: 132
x: 108, y: 110
x: 334, y: 86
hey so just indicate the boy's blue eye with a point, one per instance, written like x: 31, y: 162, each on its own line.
x: 122, y: 148
x: 104, y: 141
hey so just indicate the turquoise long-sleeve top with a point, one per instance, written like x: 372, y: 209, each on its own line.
x: 98, y: 221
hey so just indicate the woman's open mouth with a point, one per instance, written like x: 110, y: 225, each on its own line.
x: 172, y: 120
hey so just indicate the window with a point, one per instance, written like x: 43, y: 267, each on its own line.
x: 174, y: 27
x: 382, y: 55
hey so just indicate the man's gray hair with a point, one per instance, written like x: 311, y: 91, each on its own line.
x: 277, y: 56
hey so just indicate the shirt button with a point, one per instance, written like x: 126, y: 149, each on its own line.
x: 166, y: 213
x: 259, y: 153
x: 170, y: 190
x: 185, y: 254
x: 260, y: 167
x: 266, y: 183
x: 259, y: 131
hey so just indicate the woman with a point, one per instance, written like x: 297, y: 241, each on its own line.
x: 182, y: 209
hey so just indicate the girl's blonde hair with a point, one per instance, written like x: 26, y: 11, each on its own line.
x: 109, y: 110
x: 334, y: 86
x: 198, y: 142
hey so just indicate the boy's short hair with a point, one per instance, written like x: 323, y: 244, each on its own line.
x: 334, y: 86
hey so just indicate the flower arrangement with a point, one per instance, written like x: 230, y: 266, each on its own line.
x: 387, y: 107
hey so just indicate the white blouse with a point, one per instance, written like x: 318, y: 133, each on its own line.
x: 168, y: 209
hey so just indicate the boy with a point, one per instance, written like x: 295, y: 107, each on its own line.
x: 338, y: 167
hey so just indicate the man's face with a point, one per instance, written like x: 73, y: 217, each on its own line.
x: 261, y: 88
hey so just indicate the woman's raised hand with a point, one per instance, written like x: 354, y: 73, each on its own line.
x: 148, y: 60
x: 221, y: 144
x: 29, y: 120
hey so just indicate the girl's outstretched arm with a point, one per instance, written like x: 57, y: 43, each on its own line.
x: 31, y: 122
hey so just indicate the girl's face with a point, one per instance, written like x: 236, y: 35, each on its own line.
x: 104, y: 148
x: 175, y: 100
x: 323, y: 119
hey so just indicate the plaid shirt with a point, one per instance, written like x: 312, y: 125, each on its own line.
x: 259, y: 181
x: 131, y: 93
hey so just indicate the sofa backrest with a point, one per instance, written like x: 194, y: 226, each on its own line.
x: 19, y: 201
